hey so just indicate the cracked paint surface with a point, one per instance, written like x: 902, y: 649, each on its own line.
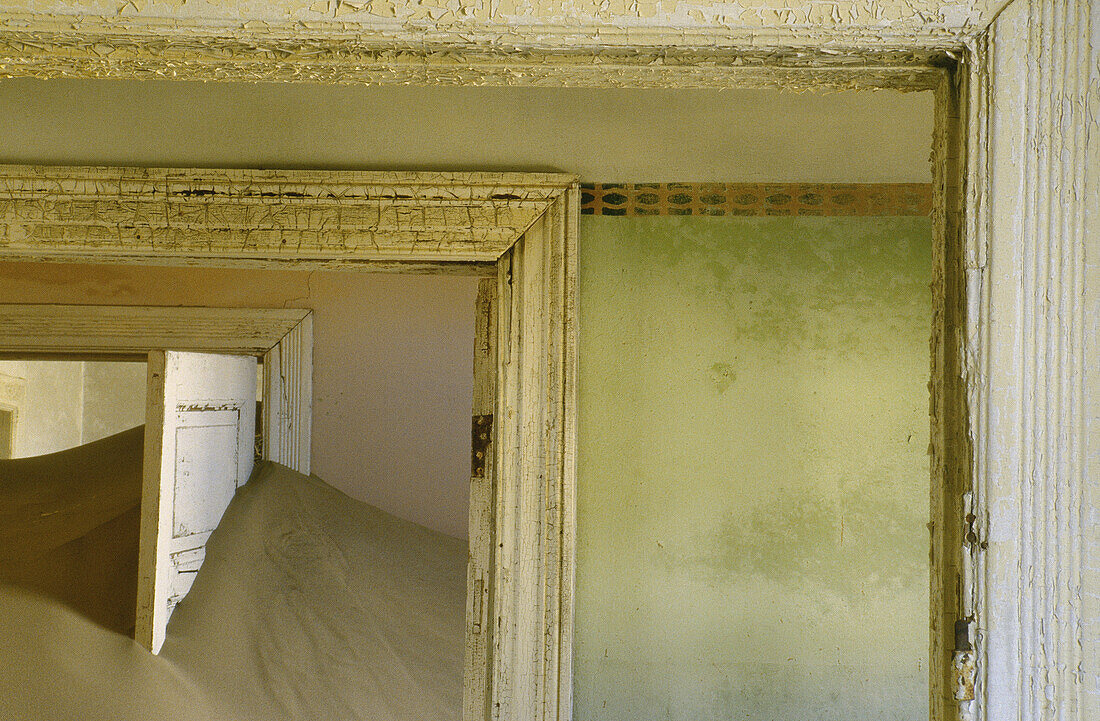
x: 653, y: 43
x: 949, y: 15
x: 132, y: 214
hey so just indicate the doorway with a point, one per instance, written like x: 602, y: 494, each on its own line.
x: 70, y: 481
x: 517, y: 229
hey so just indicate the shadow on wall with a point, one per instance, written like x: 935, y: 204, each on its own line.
x: 69, y: 526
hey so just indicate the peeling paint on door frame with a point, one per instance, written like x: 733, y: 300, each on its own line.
x: 1016, y: 196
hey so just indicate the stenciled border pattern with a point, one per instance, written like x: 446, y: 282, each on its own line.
x: 757, y: 199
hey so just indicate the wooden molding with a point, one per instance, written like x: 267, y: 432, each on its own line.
x: 949, y: 449
x: 752, y: 52
x: 535, y: 451
x: 265, y: 217
x: 1032, y: 363
x: 483, y: 486
x: 528, y: 525
x: 94, y: 329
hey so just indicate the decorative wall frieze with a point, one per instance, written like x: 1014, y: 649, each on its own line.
x: 263, y: 216
x: 756, y: 199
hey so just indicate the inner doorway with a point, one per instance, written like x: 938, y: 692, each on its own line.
x: 71, y: 436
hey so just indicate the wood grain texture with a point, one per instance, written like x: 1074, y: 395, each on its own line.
x: 479, y: 591
x: 536, y: 503
x: 267, y: 218
x: 79, y: 329
x: 145, y: 627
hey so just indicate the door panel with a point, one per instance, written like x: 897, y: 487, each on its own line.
x: 199, y: 437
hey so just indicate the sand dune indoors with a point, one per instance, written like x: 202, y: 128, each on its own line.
x: 310, y: 605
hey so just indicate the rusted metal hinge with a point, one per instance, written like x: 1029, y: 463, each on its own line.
x: 482, y: 437
x: 479, y: 604
x: 964, y: 662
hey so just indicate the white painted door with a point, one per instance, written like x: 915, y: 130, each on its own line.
x: 199, y: 439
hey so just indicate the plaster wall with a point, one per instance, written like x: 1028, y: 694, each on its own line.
x: 753, y: 475
x: 63, y: 404
x: 49, y: 416
x: 393, y: 366
x: 114, y: 398
x: 603, y: 135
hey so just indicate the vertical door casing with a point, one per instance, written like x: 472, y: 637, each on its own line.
x: 199, y: 446
x: 482, y: 485
x: 288, y: 398
x: 1033, y: 359
x: 535, y: 427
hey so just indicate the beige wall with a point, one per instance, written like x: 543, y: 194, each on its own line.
x: 114, y: 398
x: 602, y: 135
x: 393, y: 366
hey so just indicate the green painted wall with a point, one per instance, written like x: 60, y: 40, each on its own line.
x: 753, y: 481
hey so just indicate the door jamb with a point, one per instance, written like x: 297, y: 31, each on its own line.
x: 524, y: 224
x: 282, y: 338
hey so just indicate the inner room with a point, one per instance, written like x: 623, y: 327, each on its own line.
x: 753, y: 314
x: 76, y: 427
x: 392, y: 379
x: 55, y: 405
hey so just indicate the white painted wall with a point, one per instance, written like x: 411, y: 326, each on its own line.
x: 49, y: 416
x: 62, y: 404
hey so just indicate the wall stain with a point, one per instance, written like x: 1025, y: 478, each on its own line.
x: 722, y: 375
x: 752, y: 490
x: 794, y: 539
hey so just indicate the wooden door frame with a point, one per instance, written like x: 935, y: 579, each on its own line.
x: 1016, y: 352
x: 281, y: 338
x: 519, y: 228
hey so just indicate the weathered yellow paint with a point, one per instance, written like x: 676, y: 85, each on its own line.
x: 753, y: 477
x: 657, y: 43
